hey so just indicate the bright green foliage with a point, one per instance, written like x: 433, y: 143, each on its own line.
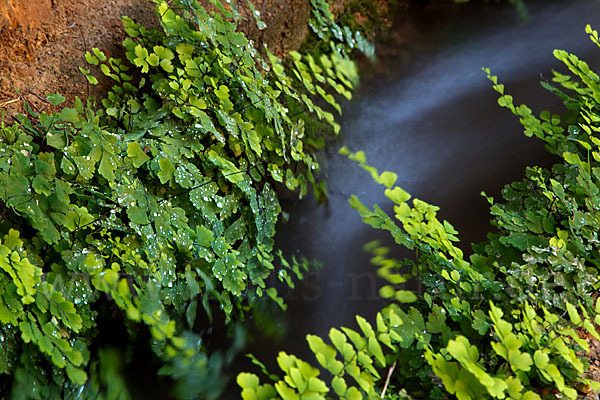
x: 551, y: 217
x: 350, y: 359
x: 476, y: 353
x: 161, y: 203
x: 505, y: 322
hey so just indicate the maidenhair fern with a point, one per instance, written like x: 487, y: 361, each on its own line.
x: 504, y: 323
x: 159, y: 206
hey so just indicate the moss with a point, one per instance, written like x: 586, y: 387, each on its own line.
x: 372, y: 17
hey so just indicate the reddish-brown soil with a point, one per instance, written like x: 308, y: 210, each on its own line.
x: 42, y: 43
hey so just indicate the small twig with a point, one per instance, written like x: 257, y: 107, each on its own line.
x: 29, y: 104
x: 87, y: 82
x: 42, y: 99
x: 387, y: 380
x: 39, y: 97
x: 3, y: 104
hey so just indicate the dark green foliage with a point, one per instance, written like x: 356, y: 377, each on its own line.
x: 158, y: 207
x: 504, y: 323
x: 329, y: 31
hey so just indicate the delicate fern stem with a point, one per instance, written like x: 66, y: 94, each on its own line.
x: 387, y: 379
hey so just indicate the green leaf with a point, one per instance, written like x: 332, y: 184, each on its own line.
x: 140, y: 60
x: 92, y: 79
x: 135, y: 152
x: 365, y: 327
x: 185, y: 50
x: 99, y: 54
x: 55, y: 99
x: 86, y: 166
x: 69, y: 115
x: 76, y: 375
x: 166, y: 65
x: 541, y: 359
x: 515, y: 387
x: 246, y: 380
x: 317, y: 385
x: 26, y: 332
x: 436, y: 321
x: 519, y: 361
x: 163, y: 52
x: 90, y: 58
x: 107, y: 167
x: 480, y: 322
x: 587, y: 324
x: 339, y: 385
x: 388, y: 178
x: 137, y: 215
x: 573, y: 314
x: 165, y: 174
x: 56, y: 140
x: 140, y: 51
x: 405, y: 296
x: 204, y: 236
x: 42, y: 185
x: 237, y: 39
x: 57, y: 358
x: 397, y: 195
x: 222, y: 92
x: 153, y: 60
x: 529, y: 395
x: 353, y: 394
x: 375, y: 349
x: 75, y: 357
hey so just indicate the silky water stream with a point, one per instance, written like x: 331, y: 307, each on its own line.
x: 426, y: 111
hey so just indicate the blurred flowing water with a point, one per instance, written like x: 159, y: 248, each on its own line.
x: 427, y: 112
